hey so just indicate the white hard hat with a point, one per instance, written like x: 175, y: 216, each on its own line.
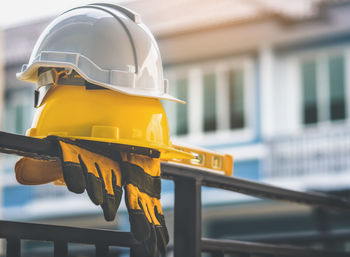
x: 105, y: 44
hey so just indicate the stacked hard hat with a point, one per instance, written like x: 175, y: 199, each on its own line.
x: 99, y: 78
x: 109, y: 71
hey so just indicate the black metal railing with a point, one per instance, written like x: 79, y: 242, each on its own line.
x: 14, y: 232
x: 188, y: 241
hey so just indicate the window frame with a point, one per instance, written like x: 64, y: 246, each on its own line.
x: 17, y: 97
x: 321, y: 56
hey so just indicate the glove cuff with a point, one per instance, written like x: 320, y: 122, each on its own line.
x: 91, y: 146
x: 135, y: 175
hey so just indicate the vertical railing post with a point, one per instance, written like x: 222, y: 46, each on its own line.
x: 322, y: 224
x: 218, y: 254
x: 188, y: 218
x: 13, y: 247
x: 60, y: 249
x: 102, y: 250
x: 138, y: 251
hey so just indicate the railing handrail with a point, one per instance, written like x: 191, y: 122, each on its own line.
x: 236, y: 246
x: 252, y: 188
x: 44, y: 232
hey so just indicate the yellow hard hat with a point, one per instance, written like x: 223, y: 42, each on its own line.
x: 95, y: 113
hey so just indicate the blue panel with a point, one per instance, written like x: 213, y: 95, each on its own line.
x: 247, y: 169
x: 17, y: 195
x: 167, y: 186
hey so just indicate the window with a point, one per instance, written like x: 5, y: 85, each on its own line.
x: 236, y: 98
x: 323, y: 88
x: 209, y: 102
x: 181, y: 109
x: 217, y: 94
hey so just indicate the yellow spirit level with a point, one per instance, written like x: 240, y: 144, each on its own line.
x: 205, y: 159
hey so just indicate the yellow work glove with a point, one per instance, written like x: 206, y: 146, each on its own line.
x: 142, y: 185
x: 82, y: 169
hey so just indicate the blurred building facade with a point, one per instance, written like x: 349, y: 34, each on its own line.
x: 266, y: 81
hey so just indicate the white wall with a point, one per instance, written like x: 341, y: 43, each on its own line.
x: 287, y: 96
x: 266, y: 66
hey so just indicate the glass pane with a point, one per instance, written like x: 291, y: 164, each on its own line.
x: 337, y: 87
x: 209, y: 102
x: 309, y: 91
x: 236, y: 94
x: 18, y: 110
x: 20, y: 119
x: 181, y: 110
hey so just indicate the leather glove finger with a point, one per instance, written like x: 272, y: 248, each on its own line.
x: 93, y: 181
x: 112, y: 191
x: 162, y: 232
